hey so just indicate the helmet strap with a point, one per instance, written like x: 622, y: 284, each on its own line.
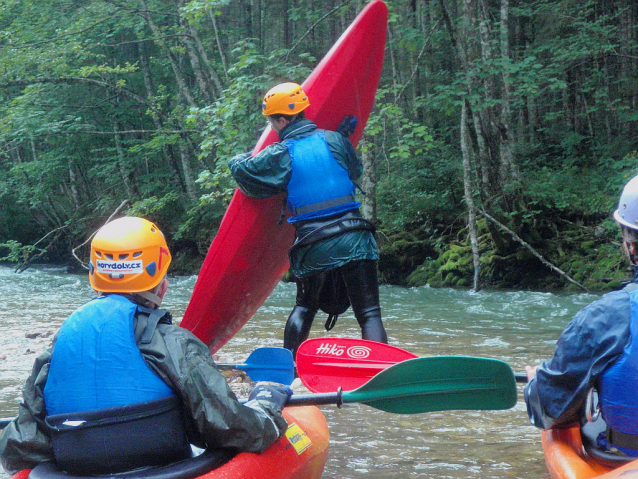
x: 152, y: 297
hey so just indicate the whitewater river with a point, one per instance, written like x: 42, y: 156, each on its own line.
x: 518, y: 327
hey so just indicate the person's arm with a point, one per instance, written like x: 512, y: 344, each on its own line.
x: 263, y: 175
x: 24, y: 443
x: 344, y: 153
x: 186, y: 364
x: 593, y: 340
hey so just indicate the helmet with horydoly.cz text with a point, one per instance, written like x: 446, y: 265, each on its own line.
x: 128, y: 255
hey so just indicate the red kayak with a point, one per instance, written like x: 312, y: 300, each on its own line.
x: 248, y: 257
x: 300, y: 454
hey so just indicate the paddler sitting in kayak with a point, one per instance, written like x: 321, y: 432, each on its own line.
x: 334, y: 254
x: 122, y: 387
x: 598, y: 349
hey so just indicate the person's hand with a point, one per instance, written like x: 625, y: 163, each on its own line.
x: 277, y: 395
x: 531, y: 372
x: 347, y: 125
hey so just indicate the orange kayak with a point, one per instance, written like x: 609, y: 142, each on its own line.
x: 300, y: 454
x: 566, y: 458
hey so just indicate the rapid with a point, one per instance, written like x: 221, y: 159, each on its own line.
x: 519, y: 327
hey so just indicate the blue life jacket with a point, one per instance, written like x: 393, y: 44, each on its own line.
x: 319, y: 186
x: 616, y: 386
x: 96, y: 362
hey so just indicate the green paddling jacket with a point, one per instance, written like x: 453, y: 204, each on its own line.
x: 268, y: 173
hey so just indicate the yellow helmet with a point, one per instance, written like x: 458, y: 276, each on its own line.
x: 128, y: 255
x: 285, y: 99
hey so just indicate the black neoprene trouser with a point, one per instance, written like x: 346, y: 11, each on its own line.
x: 360, y: 278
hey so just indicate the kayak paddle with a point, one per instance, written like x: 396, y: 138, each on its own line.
x: 267, y: 364
x: 326, y: 364
x: 439, y: 383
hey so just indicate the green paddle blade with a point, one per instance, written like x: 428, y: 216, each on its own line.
x: 439, y: 384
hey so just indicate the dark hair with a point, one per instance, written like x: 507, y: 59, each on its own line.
x: 291, y: 118
x: 629, y: 235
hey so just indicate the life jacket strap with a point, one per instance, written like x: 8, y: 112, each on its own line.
x: 322, y: 205
x: 152, y: 318
x: 621, y: 439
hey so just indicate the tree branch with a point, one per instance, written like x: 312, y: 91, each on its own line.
x: 117, y: 210
x: 531, y: 250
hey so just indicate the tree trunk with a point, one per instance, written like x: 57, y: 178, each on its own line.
x: 187, y: 39
x: 509, y: 169
x: 469, y: 199
x: 214, y: 79
x: 186, y: 167
x: 368, y: 181
x: 167, y: 150
x: 121, y: 159
x: 177, y: 71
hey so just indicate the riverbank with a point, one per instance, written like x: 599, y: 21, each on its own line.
x: 561, y: 255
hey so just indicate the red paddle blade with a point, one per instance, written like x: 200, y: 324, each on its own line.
x: 326, y: 364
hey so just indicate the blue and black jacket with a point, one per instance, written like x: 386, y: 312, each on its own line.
x: 596, y: 349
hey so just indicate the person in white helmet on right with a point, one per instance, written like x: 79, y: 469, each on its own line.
x: 597, y: 350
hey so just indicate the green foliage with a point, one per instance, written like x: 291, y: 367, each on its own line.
x: 102, y: 102
x: 17, y: 252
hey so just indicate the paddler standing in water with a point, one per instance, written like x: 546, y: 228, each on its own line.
x: 598, y: 349
x: 334, y: 254
x: 122, y: 387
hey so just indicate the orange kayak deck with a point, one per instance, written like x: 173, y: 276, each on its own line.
x: 566, y: 458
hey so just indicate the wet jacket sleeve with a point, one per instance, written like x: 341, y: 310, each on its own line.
x: 591, y: 342
x: 24, y: 443
x: 263, y: 175
x: 344, y: 153
x: 220, y: 421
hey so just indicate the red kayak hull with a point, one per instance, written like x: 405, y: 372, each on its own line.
x: 249, y: 254
x: 301, y: 454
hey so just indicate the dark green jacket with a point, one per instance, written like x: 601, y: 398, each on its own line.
x: 218, y: 420
x: 268, y: 173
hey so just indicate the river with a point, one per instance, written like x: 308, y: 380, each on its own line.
x: 519, y: 327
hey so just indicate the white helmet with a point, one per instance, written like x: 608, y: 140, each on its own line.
x: 627, y: 212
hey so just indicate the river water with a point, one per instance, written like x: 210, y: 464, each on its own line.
x: 519, y: 327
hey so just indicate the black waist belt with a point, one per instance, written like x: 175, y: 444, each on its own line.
x: 310, y: 232
x: 322, y: 205
x: 621, y: 439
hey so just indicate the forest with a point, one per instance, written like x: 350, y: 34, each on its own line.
x: 502, y: 134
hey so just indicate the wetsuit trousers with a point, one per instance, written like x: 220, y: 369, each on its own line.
x: 360, y: 278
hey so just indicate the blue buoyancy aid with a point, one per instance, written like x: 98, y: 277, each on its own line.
x: 319, y: 186
x: 616, y: 386
x: 96, y: 362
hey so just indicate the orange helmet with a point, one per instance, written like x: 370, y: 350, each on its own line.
x: 128, y: 255
x: 285, y: 99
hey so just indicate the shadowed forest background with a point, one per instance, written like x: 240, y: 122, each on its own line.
x: 503, y: 128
